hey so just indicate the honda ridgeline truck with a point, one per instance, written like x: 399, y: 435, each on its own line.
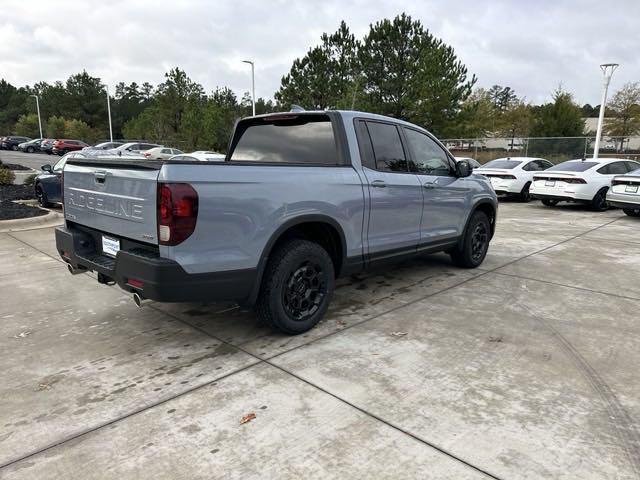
x: 301, y: 198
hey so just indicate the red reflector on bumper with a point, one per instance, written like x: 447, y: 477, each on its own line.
x: 135, y: 283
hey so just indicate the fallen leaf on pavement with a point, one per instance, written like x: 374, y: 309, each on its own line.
x: 398, y: 334
x: 23, y: 334
x: 43, y: 386
x: 247, y: 418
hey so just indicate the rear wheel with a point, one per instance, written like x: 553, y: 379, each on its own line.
x: 41, y: 195
x: 632, y: 212
x: 14, y: 148
x: 549, y: 202
x: 525, y: 196
x: 30, y: 149
x: 599, y: 202
x: 297, y: 287
x: 471, y: 252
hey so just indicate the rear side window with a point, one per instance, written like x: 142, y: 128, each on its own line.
x: 631, y: 166
x: 295, y: 139
x: 387, y: 147
x: 615, y: 168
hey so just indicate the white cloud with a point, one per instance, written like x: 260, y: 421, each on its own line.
x: 530, y: 46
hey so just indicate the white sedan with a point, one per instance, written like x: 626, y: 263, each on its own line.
x: 199, y: 156
x: 161, y: 153
x: 512, y: 176
x: 625, y: 193
x: 583, y: 181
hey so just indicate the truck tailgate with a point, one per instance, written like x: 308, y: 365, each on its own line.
x: 116, y: 197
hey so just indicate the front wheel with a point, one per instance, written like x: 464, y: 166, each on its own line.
x: 632, y: 212
x: 599, y: 202
x: 475, y: 242
x: 14, y: 148
x: 549, y: 202
x: 41, y: 195
x: 297, y: 287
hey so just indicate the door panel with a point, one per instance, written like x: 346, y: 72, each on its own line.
x: 445, y: 197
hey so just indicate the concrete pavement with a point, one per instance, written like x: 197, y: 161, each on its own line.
x: 524, y: 368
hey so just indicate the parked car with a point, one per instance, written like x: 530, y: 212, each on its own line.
x: 104, y: 146
x: 47, y: 185
x: 60, y: 147
x: 161, y: 153
x: 625, y: 193
x: 512, y: 176
x: 305, y: 197
x: 473, y: 162
x: 12, y: 141
x: 46, y: 145
x: 200, y: 157
x: 583, y: 181
x: 135, y: 147
x: 31, y: 146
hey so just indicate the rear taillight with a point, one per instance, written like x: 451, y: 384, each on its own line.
x: 177, y: 212
x: 575, y: 180
x: 146, y: 154
x: 504, y: 177
x: 624, y: 182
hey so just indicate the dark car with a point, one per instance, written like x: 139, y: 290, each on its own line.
x: 30, y: 146
x: 46, y: 145
x: 12, y: 142
x: 48, y: 185
x: 62, y: 146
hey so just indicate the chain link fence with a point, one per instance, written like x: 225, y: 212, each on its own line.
x: 554, y: 149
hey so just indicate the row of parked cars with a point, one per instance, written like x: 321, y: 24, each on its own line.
x: 599, y: 183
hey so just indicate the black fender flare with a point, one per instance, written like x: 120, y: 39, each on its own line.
x: 277, y: 234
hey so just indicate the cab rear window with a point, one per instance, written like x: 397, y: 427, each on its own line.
x: 289, y: 139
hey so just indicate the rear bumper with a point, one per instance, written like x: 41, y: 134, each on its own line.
x: 560, y: 198
x: 622, y: 200
x: 163, y: 280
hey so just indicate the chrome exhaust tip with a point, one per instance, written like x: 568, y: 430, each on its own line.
x: 75, y: 271
x: 140, y: 301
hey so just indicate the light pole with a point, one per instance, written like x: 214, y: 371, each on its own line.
x: 607, y: 71
x: 109, y: 111
x: 38, y: 108
x: 253, y: 85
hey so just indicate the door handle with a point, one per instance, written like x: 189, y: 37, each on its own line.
x: 433, y: 184
x: 378, y: 184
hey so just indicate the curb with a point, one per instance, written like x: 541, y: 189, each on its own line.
x: 49, y: 220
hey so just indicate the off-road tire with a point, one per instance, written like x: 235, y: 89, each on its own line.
x: 470, y: 253
x: 276, y: 303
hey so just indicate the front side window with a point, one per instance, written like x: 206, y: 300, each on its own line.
x: 387, y: 147
x: 291, y: 139
x: 428, y: 157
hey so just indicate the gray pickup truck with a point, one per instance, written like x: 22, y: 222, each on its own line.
x: 301, y: 198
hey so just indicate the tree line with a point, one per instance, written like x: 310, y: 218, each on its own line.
x: 398, y: 69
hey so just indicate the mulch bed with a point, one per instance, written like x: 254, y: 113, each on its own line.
x: 10, y: 210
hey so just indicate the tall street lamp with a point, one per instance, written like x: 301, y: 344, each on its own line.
x: 607, y: 71
x: 38, y: 108
x: 253, y: 85
x: 109, y: 111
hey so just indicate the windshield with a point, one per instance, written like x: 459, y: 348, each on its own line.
x: 506, y: 164
x: 573, y: 166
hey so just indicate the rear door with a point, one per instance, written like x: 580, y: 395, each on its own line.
x: 394, y: 192
x: 117, y: 197
x: 446, y: 197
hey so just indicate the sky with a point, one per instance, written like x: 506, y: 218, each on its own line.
x: 531, y: 46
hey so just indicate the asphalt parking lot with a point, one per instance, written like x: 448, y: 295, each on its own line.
x: 525, y: 368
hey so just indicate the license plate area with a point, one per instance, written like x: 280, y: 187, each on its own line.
x: 110, y: 246
x: 631, y: 189
x: 550, y: 183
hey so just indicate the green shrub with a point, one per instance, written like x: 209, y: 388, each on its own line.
x: 6, y: 176
x: 31, y: 179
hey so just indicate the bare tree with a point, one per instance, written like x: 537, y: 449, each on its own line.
x: 625, y: 105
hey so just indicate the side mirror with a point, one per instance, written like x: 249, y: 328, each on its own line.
x: 463, y: 169
x: 46, y: 168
